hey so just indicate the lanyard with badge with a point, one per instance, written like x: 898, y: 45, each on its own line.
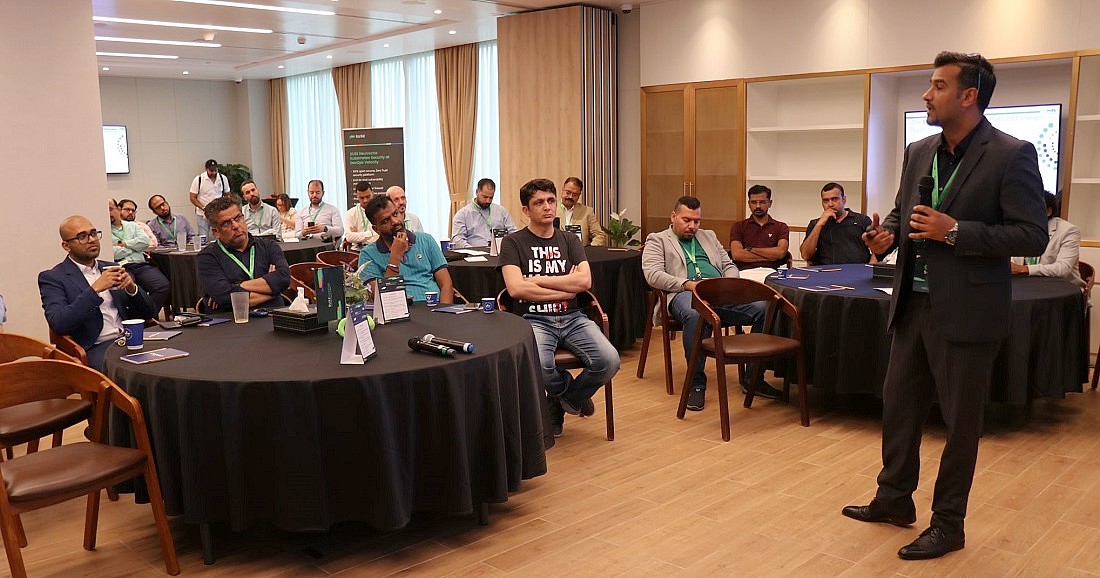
x: 164, y: 226
x: 251, y: 259
x: 313, y: 217
x: 489, y: 220
x: 937, y: 192
x: 252, y: 217
x: 694, y: 260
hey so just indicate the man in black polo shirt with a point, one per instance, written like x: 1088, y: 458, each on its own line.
x: 837, y: 235
x: 237, y: 261
x: 759, y: 241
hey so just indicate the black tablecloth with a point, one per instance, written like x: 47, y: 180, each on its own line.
x: 847, y: 347
x: 259, y: 426
x: 183, y: 276
x: 617, y: 282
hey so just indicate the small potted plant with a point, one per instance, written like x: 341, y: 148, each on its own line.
x: 620, y: 231
x: 355, y: 291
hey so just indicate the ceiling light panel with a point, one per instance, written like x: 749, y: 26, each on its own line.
x: 179, y: 25
x: 153, y: 41
x: 251, y: 6
x: 132, y: 55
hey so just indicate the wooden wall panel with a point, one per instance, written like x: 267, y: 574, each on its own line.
x: 540, y: 75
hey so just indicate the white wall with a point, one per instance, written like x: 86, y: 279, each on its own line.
x: 51, y: 146
x: 173, y: 126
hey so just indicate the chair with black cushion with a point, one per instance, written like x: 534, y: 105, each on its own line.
x: 56, y: 475
x: 28, y: 422
x: 565, y: 359
x: 1088, y: 274
x: 349, y: 259
x: 744, y: 348
x: 669, y: 328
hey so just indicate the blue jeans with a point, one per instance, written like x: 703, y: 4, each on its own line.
x: 579, y: 334
x: 679, y: 308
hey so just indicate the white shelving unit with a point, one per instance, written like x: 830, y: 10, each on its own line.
x: 802, y: 133
x: 1084, y: 197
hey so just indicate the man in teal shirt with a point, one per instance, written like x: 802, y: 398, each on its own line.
x: 128, y: 241
x: 414, y: 256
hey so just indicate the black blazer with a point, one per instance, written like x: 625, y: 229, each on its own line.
x: 997, y: 198
x: 72, y: 308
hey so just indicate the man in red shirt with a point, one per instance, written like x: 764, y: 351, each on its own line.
x: 759, y: 241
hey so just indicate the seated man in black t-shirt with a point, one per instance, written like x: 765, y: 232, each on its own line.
x: 238, y: 261
x: 837, y: 235
x: 544, y: 269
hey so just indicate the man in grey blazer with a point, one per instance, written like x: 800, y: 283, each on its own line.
x: 674, y: 260
x: 982, y: 203
x: 1062, y: 254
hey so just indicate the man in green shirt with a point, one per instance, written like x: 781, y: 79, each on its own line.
x: 674, y: 261
x: 128, y: 241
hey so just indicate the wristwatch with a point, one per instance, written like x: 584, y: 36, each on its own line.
x: 952, y: 234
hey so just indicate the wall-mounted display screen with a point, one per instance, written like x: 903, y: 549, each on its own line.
x: 116, y: 151
x: 1038, y: 124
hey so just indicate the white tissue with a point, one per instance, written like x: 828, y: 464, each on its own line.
x: 300, y: 304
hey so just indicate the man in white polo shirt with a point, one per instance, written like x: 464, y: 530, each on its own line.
x: 206, y: 187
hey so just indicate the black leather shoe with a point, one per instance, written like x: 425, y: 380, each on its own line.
x: 877, y: 513
x: 933, y: 543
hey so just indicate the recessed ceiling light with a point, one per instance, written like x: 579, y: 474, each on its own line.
x: 280, y: 67
x: 438, y: 11
x: 106, y: 68
x: 179, y: 24
x: 385, y: 45
x: 129, y: 55
x: 150, y: 41
x: 260, y: 7
x: 452, y: 32
x: 329, y: 57
x: 185, y: 72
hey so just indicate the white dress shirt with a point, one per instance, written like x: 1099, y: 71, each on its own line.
x: 112, y: 321
x: 359, y: 231
x: 325, y: 215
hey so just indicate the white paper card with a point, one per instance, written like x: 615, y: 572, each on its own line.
x: 886, y: 290
x: 357, y: 336
x: 474, y: 259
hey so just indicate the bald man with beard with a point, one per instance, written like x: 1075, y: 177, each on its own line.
x: 87, y: 299
x: 412, y: 222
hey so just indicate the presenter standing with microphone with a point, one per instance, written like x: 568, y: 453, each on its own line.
x: 952, y: 293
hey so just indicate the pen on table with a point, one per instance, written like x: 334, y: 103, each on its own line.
x: 828, y: 270
x: 845, y: 287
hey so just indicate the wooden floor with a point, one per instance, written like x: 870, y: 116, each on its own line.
x: 669, y: 498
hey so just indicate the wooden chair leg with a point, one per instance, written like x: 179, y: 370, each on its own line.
x: 1096, y: 369
x: 682, y: 408
x: 112, y: 494
x: 8, y: 452
x: 32, y: 446
x: 21, y: 533
x: 609, y: 410
x: 667, y: 352
x: 156, y: 502
x: 645, y: 346
x: 755, y: 378
x: 804, y: 405
x: 723, y: 397
x: 58, y: 438
x: 91, y: 520
x: 11, y: 546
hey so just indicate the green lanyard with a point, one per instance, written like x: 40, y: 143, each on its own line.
x: 251, y: 259
x: 164, y: 226
x: 489, y: 221
x: 252, y: 217
x: 121, y: 233
x: 362, y: 217
x: 937, y: 192
x: 313, y: 217
x: 693, y: 258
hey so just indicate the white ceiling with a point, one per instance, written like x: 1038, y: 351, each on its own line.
x: 358, y: 32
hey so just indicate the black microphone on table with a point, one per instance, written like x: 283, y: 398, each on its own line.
x: 417, y: 344
x: 463, y: 346
x: 925, y: 190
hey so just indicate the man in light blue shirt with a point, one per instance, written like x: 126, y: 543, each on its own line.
x: 168, y: 226
x: 414, y: 256
x: 473, y: 224
x: 128, y: 241
x: 319, y: 218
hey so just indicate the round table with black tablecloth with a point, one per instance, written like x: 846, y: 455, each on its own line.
x: 617, y: 282
x: 265, y: 427
x: 182, y: 272
x: 847, y: 347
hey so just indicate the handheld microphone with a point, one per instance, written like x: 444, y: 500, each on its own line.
x: 462, y: 346
x: 925, y: 189
x: 417, y: 344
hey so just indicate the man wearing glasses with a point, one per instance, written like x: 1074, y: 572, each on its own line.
x: 237, y: 261
x: 88, y: 299
x: 970, y: 198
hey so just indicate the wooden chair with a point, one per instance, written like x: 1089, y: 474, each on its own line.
x: 302, y: 275
x: 754, y: 348
x: 669, y: 328
x: 67, y: 345
x: 565, y: 359
x: 1088, y: 274
x: 349, y: 259
x: 60, y: 474
x: 28, y: 422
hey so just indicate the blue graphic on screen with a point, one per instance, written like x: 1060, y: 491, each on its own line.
x: 1038, y: 124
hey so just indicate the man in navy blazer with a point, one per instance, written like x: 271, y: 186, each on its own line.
x: 970, y: 198
x: 75, y: 292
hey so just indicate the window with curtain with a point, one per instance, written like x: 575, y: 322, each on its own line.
x: 487, y: 130
x: 403, y: 93
x: 313, y: 130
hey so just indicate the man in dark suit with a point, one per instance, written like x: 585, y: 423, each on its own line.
x: 982, y: 204
x: 88, y: 299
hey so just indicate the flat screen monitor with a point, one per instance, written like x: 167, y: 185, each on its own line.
x: 116, y: 151
x: 1038, y: 124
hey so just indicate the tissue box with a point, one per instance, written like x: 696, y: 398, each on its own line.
x: 283, y: 319
x: 883, y: 270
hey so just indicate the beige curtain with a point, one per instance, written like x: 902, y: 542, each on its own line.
x: 456, y: 86
x: 352, y: 83
x: 279, y: 139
